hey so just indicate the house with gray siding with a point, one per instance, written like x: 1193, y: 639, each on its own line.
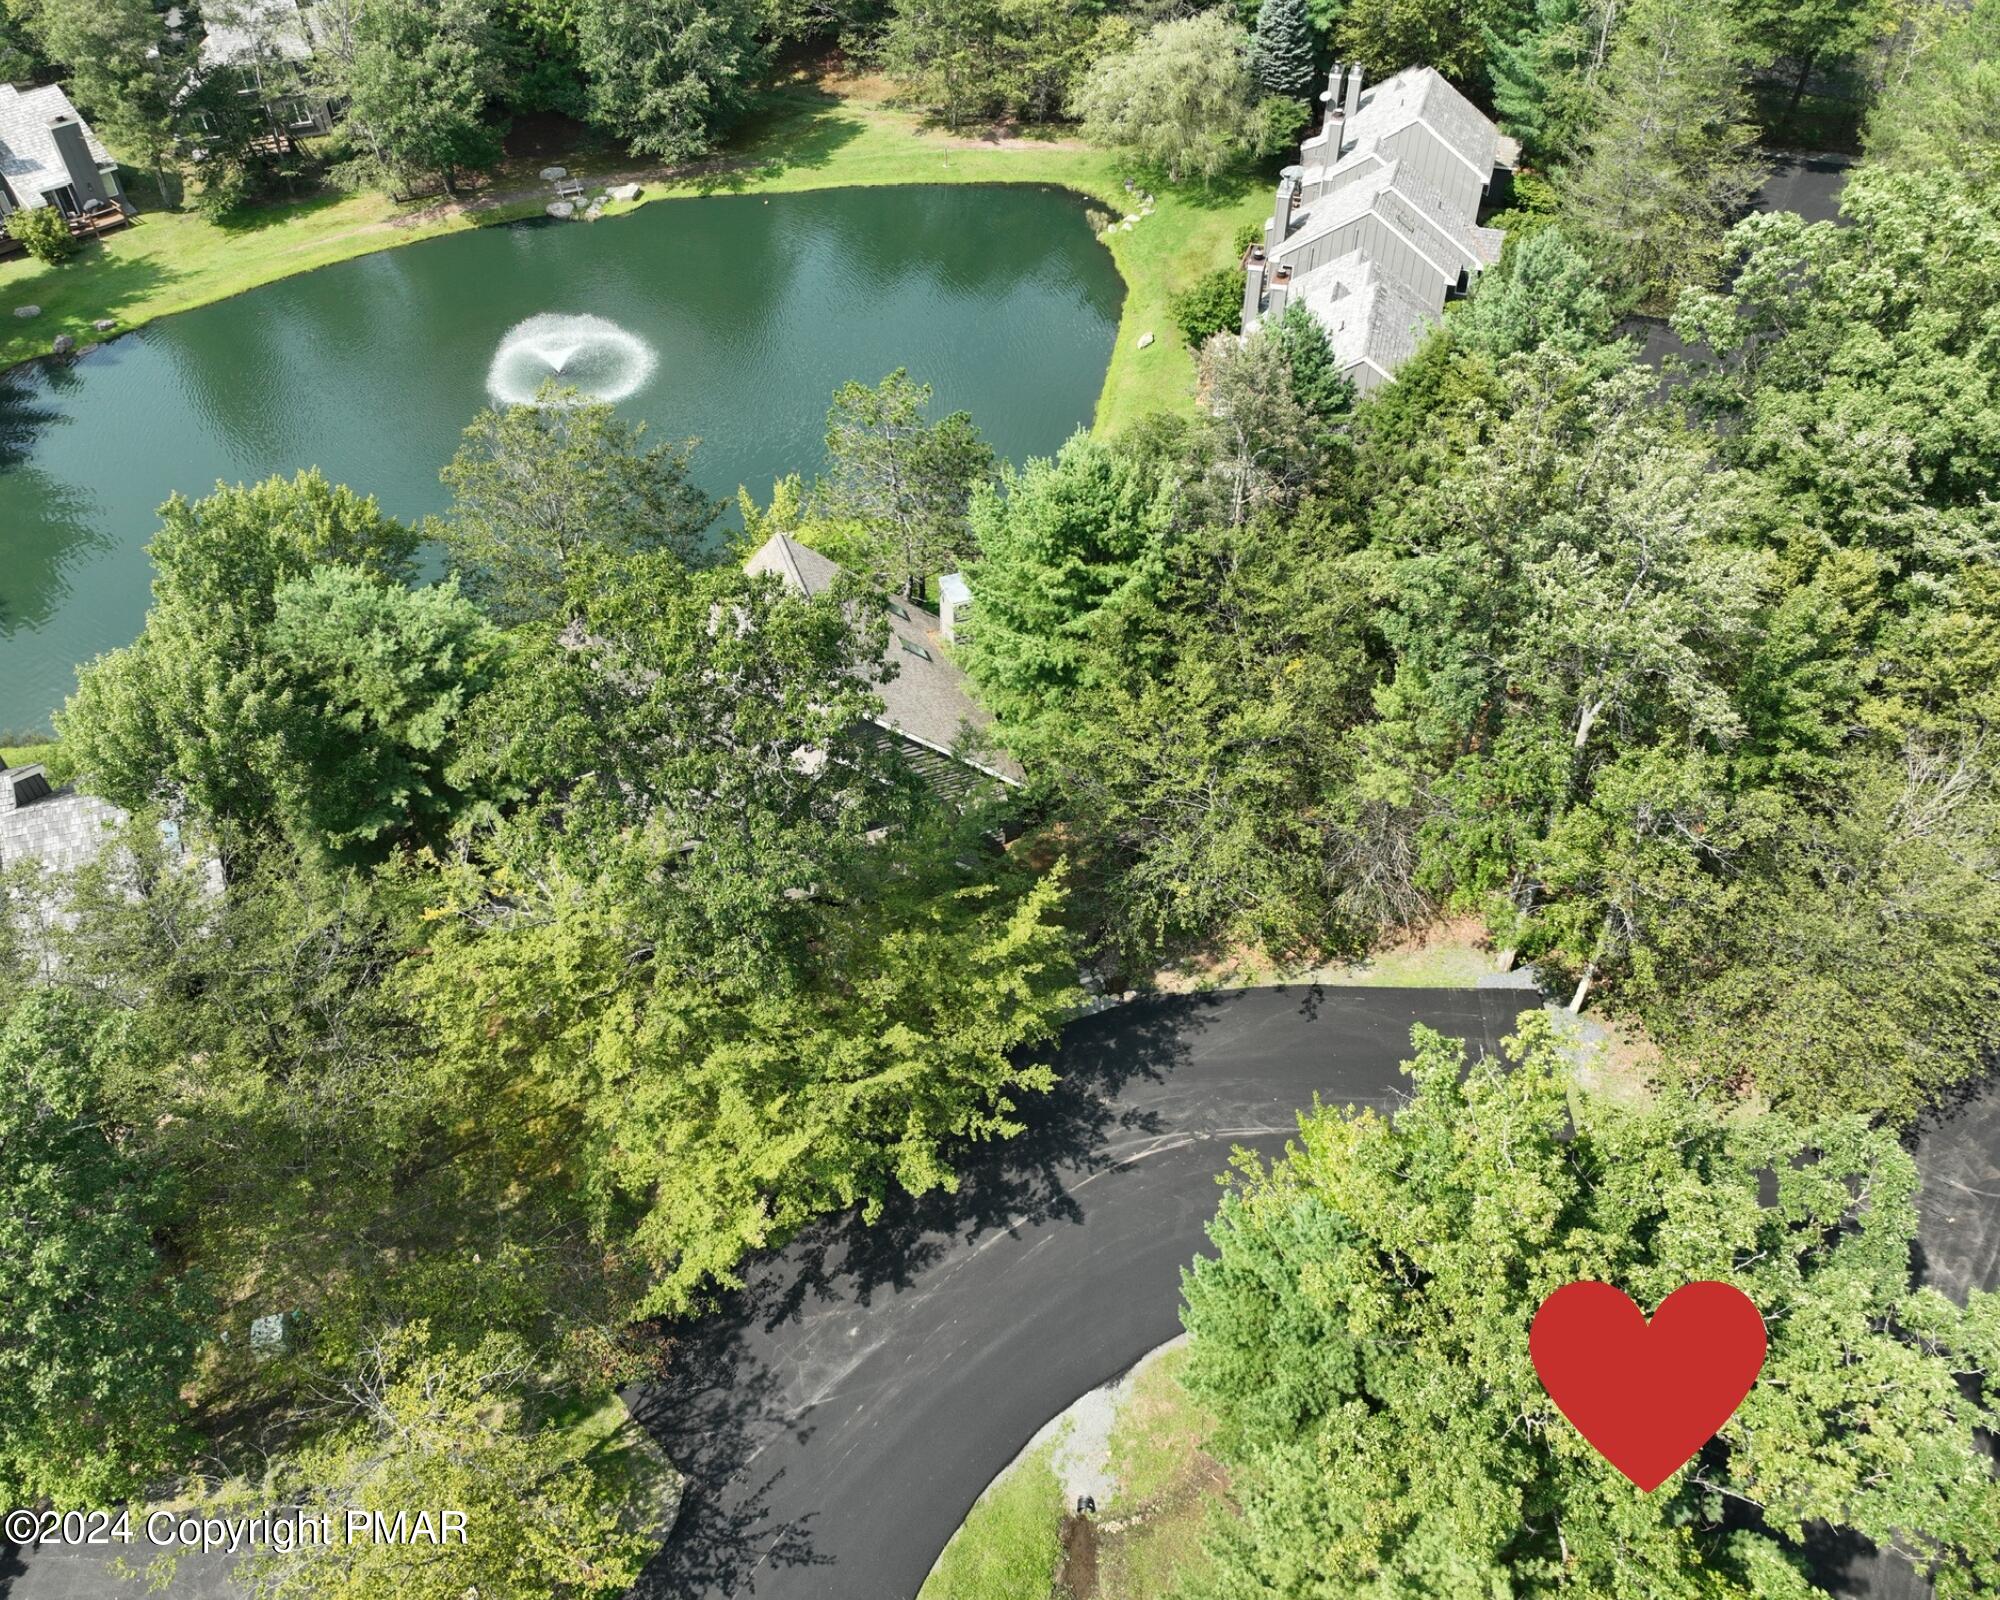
x: 927, y: 711
x: 1377, y: 223
x: 50, y: 157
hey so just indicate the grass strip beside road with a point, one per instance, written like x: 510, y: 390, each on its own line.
x: 805, y: 135
x: 1007, y: 1548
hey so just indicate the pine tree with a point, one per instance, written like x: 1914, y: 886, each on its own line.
x: 1672, y: 158
x: 1281, y: 51
x: 1543, y: 75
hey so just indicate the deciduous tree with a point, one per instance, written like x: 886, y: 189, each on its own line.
x: 533, y: 486
x: 905, y: 480
x: 668, y: 76
x: 1362, y: 1334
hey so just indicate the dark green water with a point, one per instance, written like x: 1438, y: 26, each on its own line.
x: 756, y: 309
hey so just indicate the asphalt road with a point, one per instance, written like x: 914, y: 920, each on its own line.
x: 841, y: 1416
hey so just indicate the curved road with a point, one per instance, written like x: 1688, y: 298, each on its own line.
x: 842, y: 1413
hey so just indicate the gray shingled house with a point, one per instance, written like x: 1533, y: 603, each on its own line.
x: 926, y: 708
x: 60, y: 828
x: 1378, y: 222
x: 49, y: 156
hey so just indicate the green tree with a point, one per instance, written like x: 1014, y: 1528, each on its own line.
x: 1943, y: 114
x: 372, y: 684
x: 1269, y: 448
x: 418, y: 81
x: 1543, y: 295
x: 1671, y: 157
x: 1362, y: 1336
x: 45, y: 232
x: 286, y: 680
x: 545, y: 1517
x: 1057, y: 540
x: 540, y: 42
x: 1564, y: 595
x: 1282, y: 52
x: 966, y: 59
x: 533, y: 486
x: 1855, y: 973
x: 668, y: 76
x: 1212, y: 304
x: 1182, y: 99
x: 1809, y: 34
x: 1201, y: 755
x: 905, y: 480
x: 119, y: 67
x: 1390, y: 35
x: 1544, y: 76
x: 100, y: 1332
x: 696, y: 959
x: 21, y: 58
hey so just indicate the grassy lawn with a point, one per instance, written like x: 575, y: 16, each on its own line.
x: 1007, y: 1548
x: 26, y: 755
x: 1168, y: 1485
x: 1148, y: 1532
x: 807, y: 135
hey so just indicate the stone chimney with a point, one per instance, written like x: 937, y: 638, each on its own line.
x: 1353, y: 105
x: 954, y: 604
x: 1253, y: 286
x: 78, y: 162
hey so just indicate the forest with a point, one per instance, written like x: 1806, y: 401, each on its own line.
x: 490, y: 965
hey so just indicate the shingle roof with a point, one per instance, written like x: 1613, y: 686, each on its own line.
x: 926, y: 700
x: 1421, y: 94
x: 29, y: 160
x: 61, y: 829
x: 1368, y: 317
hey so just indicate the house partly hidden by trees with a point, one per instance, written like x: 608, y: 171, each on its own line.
x: 265, y: 49
x: 59, y: 828
x: 50, y: 157
x: 927, y: 712
x: 1378, y: 222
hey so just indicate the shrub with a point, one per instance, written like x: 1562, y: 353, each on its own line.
x: 1212, y: 304
x: 44, y: 231
x: 1247, y: 235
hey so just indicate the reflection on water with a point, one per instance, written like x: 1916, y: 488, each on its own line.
x: 756, y: 308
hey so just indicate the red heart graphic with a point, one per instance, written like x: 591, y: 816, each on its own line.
x: 1647, y: 1395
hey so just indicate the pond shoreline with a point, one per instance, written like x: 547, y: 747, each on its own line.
x: 806, y: 137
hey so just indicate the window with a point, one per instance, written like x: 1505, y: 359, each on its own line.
x: 916, y: 649
x: 63, y: 199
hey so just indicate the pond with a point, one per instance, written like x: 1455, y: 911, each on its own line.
x: 732, y: 319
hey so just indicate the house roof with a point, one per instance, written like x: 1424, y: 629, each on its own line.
x: 1421, y: 96
x: 29, y: 160
x: 60, y: 828
x: 1410, y: 163
x: 1412, y: 209
x: 1369, y: 317
x: 237, y: 30
x: 926, y: 699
